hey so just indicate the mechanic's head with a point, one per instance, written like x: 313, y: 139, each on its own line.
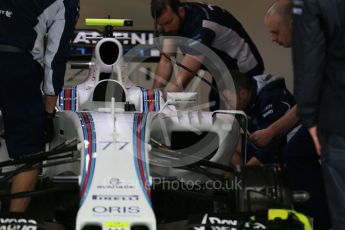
x: 241, y: 98
x: 278, y: 21
x: 169, y: 15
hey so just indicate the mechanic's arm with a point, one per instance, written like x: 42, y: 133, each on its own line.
x: 162, y: 73
x: 61, y: 29
x: 309, y: 61
x: 237, y: 158
x: 164, y: 68
x: 50, y: 103
x: 273, y: 107
x: 193, y: 63
x: 254, y: 161
x: 282, y: 126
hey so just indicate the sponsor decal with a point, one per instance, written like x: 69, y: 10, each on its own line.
x: 17, y: 224
x: 269, y: 112
x: 127, y: 38
x: 217, y: 223
x: 270, y: 106
x: 116, y: 197
x: 297, y: 11
x: 114, y: 183
x: 111, y: 225
x: 139, y: 43
x: 6, y: 13
x: 115, y: 210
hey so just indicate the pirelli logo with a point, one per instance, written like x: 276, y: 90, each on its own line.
x: 116, y: 197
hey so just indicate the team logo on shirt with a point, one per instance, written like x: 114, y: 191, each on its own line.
x: 297, y: 7
x: 7, y: 13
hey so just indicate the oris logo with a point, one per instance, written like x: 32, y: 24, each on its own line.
x: 116, y: 210
x: 7, y: 13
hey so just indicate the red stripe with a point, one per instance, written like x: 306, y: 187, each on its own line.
x: 150, y: 97
x: 89, y: 137
x: 68, y: 99
x: 140, y: 162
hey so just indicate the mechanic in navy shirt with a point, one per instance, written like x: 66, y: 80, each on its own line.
x: 264, y: 98
x: 213, y: 27
x: 27, y: 59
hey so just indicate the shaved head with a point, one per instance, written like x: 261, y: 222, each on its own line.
x: 278, y: 21
x: 281, y: 9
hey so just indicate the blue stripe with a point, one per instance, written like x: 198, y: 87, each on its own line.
x: 75, y: 100
x: 74, y: 97
x: 92, y: 124
x: 93, y: 158
x: 61, y: 100
x: 146, y: 108
x: 135, y: 127
x: 135, y: 150
x: 142, y: 146
x: 85, y: 152
x: 157, y: 98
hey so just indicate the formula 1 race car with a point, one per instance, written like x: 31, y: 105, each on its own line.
x: 125, y: 158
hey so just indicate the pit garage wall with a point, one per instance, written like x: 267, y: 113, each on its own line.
x: 249, y: 12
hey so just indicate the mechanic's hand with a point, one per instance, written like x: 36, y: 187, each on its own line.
x: 174, y: 87
x: 171, y: 88
x: 49, y: 127
x: 262, y: 137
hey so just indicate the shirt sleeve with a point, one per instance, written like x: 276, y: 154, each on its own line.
x: 271, y: 105
x: 60, y: 31
x: 207, y: 36
x: 308, y: 59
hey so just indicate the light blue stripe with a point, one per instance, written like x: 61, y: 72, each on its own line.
x: 92, y: 124
x: 86, y: 148
x: 142, y: 147
x: 135, y: 150
x: 61, y: 100
x: 136, y: 161
x: 93, y: 158
x: 146, y: 109
x: 157, y: 98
